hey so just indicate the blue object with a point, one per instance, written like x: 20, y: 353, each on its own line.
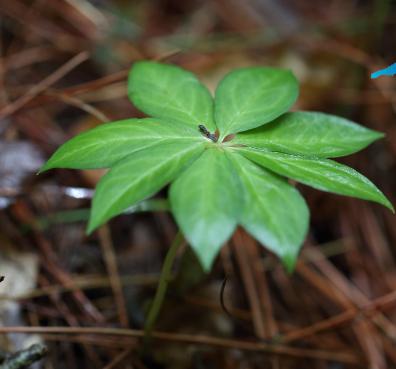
x: 389, y: 71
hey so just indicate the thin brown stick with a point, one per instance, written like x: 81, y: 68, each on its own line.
x: 81, y: 105
x: 119, y: 359
x: 90, y: 86
x: 356, y: 296
x: 344, y: 357
x: 249, y: 283
x: 380, y: 304
x: 99, y: 341
x: 270, y: 325
x: 114, y: 275
x: 324, y: 325
x: 348, y: 297
x: 85, y: 283
x: 60, y: 304
x: 44, y: 84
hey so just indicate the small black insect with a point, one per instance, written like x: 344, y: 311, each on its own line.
x: 206, y: 133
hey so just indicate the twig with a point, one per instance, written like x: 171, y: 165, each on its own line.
x: 114, y: 275
x: 119, y: 359
x: 270, y: 325
x: 249, y: 283
x: 81, y: 105
x: 44, y: 84
x: 344, y: 357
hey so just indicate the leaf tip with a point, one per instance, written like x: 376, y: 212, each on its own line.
x: 376, y: 135
x: 206, y: 261
x: 90, y: 229
x: 92, y: 225
x: 44, y: 168
x: 379, y: 134
x: 205, y: 253
x: 389, y: 205
x: 383, y: 200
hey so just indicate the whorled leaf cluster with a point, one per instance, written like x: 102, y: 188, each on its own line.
x: 227, y: 158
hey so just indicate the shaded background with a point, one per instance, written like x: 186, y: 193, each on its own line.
x: 63, y: 70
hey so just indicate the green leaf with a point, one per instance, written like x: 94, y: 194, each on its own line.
x: 169, y: 92
x: 309, y: 133
x: 250, y: 97
x: 206, y: 200
x: 108, y: 143
x: 322, y: 174
x: 274, y: 212
x: 139, y: 176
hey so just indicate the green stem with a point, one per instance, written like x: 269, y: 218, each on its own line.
x: 163, y: 285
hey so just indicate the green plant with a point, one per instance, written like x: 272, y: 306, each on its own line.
x: 225, y: 158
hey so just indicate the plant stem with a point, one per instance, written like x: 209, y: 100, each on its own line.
x: 163, y: 285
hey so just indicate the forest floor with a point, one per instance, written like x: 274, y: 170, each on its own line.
x: 63, y: 70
